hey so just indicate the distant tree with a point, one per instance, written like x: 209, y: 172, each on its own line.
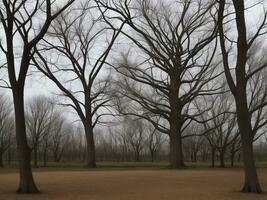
x: 223, y: 124
x: 194, y: 143
x: 59, y: 135
x: 154, y: 141
x: 6, y: 126
x: 39, y: 112
x: 135, y: 134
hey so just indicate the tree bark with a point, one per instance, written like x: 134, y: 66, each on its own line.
x: 90, y: 145
x: 251, y: 178
x: 244, y: 123
x: 176, y: 152
x: 26, y: 184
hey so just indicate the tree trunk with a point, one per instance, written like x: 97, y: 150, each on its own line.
x: 26, y: 184
x: 243, y: 119
x: 232, y: 155
x: 212, y: 157
x: 90, y: 145
x: 239, y: 91
x: 176, y: 151
x: 1, y: 158
x: 176, y: 155
x: 9, y: 156
x: 152, y: 154
x: 195, y: 156
x: 137, y: 156
x: 251, y: 177
x: 222, y: 155
x: 232, y: 159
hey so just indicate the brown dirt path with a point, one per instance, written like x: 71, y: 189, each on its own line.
x: 134, y: 185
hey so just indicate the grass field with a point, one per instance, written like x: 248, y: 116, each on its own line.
x: 190, y: 184
x: 105, y: 165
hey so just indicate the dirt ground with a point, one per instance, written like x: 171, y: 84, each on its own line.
x: 134, y: 185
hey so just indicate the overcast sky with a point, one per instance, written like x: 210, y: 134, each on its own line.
x: 36, y: 85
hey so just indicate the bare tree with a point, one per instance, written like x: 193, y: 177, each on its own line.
x: 18, y: 21
x: 223, y: 124
x: 194, y: 143
x: 59, y: 135
x: 238, y: 80
x: 176, y: 45
x: 154, y: 141
x: 77, y: 39
x: 38, y: 121
x: 135, y: 133
x: 6, y: 126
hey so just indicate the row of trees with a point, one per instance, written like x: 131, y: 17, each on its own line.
x: 53, y: 138
x: 171, y: 75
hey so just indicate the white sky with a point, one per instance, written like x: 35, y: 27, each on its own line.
x: 42, y: 86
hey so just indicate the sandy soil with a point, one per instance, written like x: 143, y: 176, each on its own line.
x: 134, y: 185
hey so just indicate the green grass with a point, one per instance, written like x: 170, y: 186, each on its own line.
x: 108, y: 165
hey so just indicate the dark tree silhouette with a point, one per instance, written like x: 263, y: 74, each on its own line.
x: 18, y: 20
x: 178, y: 46
x: 239, y: 79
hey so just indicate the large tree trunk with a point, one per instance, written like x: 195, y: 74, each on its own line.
x: 251, y: 177
x: 176, y: 151
x: 243, y: 119
x: 26, y: 184
x: 90, y: 145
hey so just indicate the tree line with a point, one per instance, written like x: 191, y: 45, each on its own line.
x: 182, y: 74
x: 54, y: 138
